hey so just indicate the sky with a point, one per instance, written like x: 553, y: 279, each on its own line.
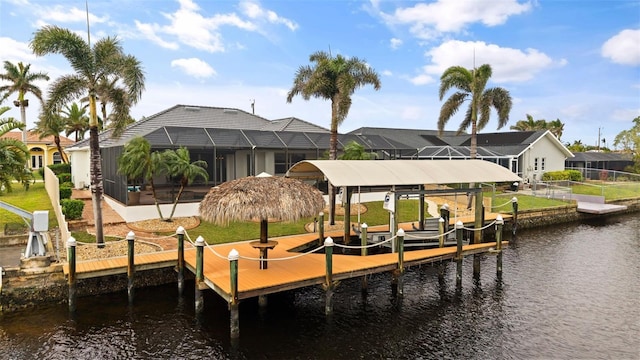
x: 573, y: 60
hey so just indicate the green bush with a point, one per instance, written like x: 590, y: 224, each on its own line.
x: 64, y: 177
x: 68, y: 184
x: 72, y: 208
x: 573, y: 175
x: 65, y: 193
x: 60, y: 168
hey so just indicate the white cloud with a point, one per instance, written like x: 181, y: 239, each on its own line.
x: 62, y: 14
x: 387, y: 73
x: 149, y: 32
x: 395, y: 43
x: 254, y: 11
x: 623, y: 48
x: 421, y: 79
x: 427, y: 21
x: 13, y: 50
x: 194, y: 67
x: 508, y: 64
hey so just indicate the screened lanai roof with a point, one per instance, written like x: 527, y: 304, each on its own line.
x: 171, y: 136
x: 401, y: 172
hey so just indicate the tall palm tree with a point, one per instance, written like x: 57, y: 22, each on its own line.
x: 556, y: 127
x: 109, y: 92
x: 13, y: 153
x: 471, y: 85
x: 76, y: 120
x: 137, y: 161
x: 52, y: 124
x: 529, y: 124
x: 335, y: 79
x: 105, y: 58
x: 178, y: 164
x: 22, y: 82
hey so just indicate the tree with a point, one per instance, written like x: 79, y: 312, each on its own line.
x: 355, y: 151
x: 178, y: 165
x: 471, y: 85
x: 108, y: 92
x: 335, y: 79
x: 576, y: 147
x: 556, y: 127
x: 529, y: 124
x: 630, y: 142
x: 13, y: 153
x: 52, y: 124
x: 22, y: 82
x: 76, y: 120
x: 105, y: 58
x: 137, y: 161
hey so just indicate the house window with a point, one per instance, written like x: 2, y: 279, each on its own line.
x: 542, y: 161
x: 535, y: 164
x: 36, y: 161
x: 57, y: 159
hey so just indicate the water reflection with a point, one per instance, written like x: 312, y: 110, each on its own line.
x: 566, y: 292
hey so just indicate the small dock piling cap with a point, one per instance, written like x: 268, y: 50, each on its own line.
x: 328, y: 241
x: 233, y: 255
x: 499, y: 220
x: 459, y: 225
x: 200, y: 241
x: 71, y: 242
x: 400, y: 232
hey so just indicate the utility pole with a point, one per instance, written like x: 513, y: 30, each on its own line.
x: 598, y: 144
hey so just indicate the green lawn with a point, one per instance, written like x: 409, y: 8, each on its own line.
x: 35, y: 198
x: 611, y: 191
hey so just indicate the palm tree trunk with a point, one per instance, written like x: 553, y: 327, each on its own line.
x: 96, y: 170
x: 333, y: 155
x: 175, y: 202
x: 56, y: 139
x: 23, y: 118
x: 155, y: 198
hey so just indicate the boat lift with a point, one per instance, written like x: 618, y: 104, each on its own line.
x: 38, y: 223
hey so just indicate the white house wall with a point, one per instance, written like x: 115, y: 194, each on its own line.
x: 80, y: 162
x: 542, y: 149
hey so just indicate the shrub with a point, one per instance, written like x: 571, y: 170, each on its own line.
x: 64, y: 177
x: 72, y: 208
x: 65, y: 193
x: 573, y: 175
x: 68, y: 184
x: 60, y: 168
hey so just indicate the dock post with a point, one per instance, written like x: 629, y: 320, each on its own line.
x: 328, y: 280
x: 320, y: 228
x: 199, y: 274
x: 499, y: 224
x: 441, y: 232
x: 131, y: 267
x: 71, y: 259
x: 363, y: 252
x: 399, y: 272
x: 459, y: 236
x: 444, y: 213
x: 514, y: 204
x: 234, y: 310
x: 180, y: 266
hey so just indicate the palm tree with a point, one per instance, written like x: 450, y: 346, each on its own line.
x: 21, y: 82
x: 471, y: 85
x: 355, y: 151
x: 556, y: 127
x: 334, y: 79
x: 178, y: 164
x: 529, y: 124
x: 52, y: 124
x: 13, y: 153
x: 109, y: 92
x: 76, y: 120
x: 137, y: 161
x: 105, y: 58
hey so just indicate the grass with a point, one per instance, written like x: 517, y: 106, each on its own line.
x: 35, y: 198
x: 525, y: 202
x: 610, y: 191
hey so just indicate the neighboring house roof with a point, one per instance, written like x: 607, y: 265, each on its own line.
x: 293, y: 124
x: 34, y: 139
x: 600, y: 156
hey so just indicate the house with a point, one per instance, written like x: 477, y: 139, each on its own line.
x: 528, y: 154
x: 592, y: 162
x: 43, y: 152
x: 234, y: 143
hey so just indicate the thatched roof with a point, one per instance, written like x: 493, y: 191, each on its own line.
x: 252, y: 198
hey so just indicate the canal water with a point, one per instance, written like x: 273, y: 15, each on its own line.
x: 567, y: 292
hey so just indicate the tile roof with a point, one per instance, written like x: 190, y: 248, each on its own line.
x: 33, y: 138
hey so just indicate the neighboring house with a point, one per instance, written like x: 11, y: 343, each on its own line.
x: 43, y: 152
x: 589, y: 162
x: 528, y: 154
x: 233, y: 142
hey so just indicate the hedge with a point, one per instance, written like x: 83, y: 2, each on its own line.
x: 72, y: 208
x: 60, y: 168
x: 65, y: 193
x: 573, y: 175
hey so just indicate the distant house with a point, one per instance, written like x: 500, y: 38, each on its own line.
x: 43, y: 152
x: 528, y: 154
x: 590, y: 162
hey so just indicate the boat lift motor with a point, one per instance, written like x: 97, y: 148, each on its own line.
x: 37, y: 234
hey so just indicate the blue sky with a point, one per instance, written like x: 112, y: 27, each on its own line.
x: 577, y: 61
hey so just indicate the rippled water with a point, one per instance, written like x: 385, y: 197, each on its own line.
x: 568, y: 292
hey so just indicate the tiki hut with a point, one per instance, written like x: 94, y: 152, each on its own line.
x: 262, y: 198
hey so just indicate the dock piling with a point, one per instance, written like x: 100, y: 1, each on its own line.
x: 71, y: 258
x: 499, y: 225
x: 399, y: 273
x: 320, y: 228
x: 514, y: 226
x: 180, y: 265
x: 328, y: 280
x: 363, y: 252
x: 441, y: 232
x: 199, y: 274
x: 459, y: 236
x: 131, y: 267
x: 234, y: 310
